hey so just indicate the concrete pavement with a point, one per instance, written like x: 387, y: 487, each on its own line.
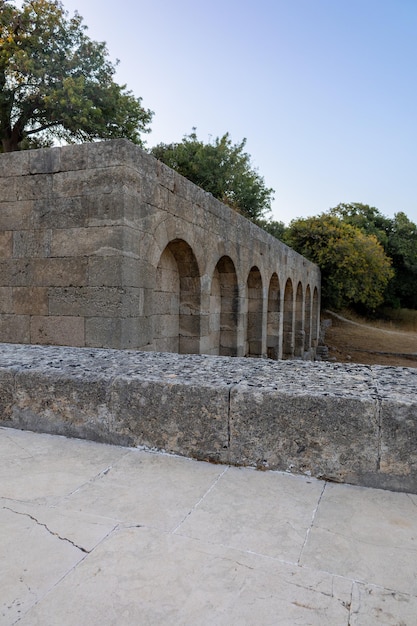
x: 104, y: 535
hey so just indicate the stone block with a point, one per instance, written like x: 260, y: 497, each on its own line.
x: 45, y: 161
x: 166, y: 325
x: 86, y: 301
x: 105, y: 208
x: 67, y: 401
x: 123, y: 271
x: 325, y: 435
x: 15, y: 215
x: 6, y: 300
x: 6, y: 395
x: 103, y: 332
x: 14, y: 329
x: 14, y: 272
x: 31, y: 243
x: 74, y: 157
x: 398, y: 464
x: 105, y: 180
x: 159, y: 413
x: 8, y: 189
x: 59, y: 272
x: 30, y: 300
x: 106, y: 241
x: 58, y: 331
x: 59, y: 213
x: 14, y: 164
x: 137, y: 333
x: 6, y: 244
x: 34, y: 187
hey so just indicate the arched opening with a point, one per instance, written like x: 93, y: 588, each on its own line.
x: 273, y: 321
x: 307, y: 319
x: 315, y: 318
x: 288, y: 336
x: 177, y: 300
x: 224, y: 308
x: 255, y: 310
x: 299, y: 322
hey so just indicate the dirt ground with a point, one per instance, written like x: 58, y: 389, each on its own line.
x: 353, y: 342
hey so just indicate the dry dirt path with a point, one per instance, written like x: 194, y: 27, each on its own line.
x: 350, y: 341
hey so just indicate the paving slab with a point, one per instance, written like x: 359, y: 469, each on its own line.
x: 106, y: 535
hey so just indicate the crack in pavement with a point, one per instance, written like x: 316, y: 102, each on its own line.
x: 51, y: 532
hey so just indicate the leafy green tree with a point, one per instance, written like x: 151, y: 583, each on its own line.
x: 221, y: 168
x: 402, y: 248
x: 367, y: 218
x: 55, y: 82
x: 398, y: 236
x: 355, y: 269
x: 273, y: 227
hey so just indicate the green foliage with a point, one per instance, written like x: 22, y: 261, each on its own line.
x: 398, y: 236
x: 55, y: 82
x: 273, y: 227
x: 220, y: 168
x: 355, y: 269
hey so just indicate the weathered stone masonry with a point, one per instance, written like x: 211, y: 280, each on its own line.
x: 342, y: 422
x: 103, y: 246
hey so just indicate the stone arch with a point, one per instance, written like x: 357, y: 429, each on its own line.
x: 315, y: 318
x: 288, y: 334
x: 299, y: 322
x: 177, y: 298
x: 273, y: 319
x: 254, y: 313
x: 224, y: 308
x: 307, y: 319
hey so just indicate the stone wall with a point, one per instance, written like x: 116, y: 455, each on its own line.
x: 340, y: 422
x: 103, y: 246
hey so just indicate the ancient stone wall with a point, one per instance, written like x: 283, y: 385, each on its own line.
x: 103, y: 246
x: 341, y: 422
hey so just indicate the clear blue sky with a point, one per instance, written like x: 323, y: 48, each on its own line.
x: 325, y: 91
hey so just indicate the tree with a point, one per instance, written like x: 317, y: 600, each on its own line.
x: 398, y: 236
x: 355, y: 269
x: 223, y: 169
x: 55, y: 82
x: 402, y: 248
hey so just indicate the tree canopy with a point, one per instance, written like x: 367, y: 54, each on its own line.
x: 55, y: 82
x: 355, y: 269
x: 223, y: 169
x: 398, y: 236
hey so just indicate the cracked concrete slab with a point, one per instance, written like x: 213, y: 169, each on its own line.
x: 147, y: 489
x: 280, y: 509
x: 33, y: 561
x: 170, y: 579
x: 37, y: 471
x: 106, y: 535
x: 374, y: 605
x: 369, y: 537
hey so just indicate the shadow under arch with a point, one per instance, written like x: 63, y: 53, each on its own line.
x: 255, y: 313
x: 224, y: 308
x: 315, y: 319
x: 177, y: 300
x: 307, y: 319
x: 299, y: 322
x: 288, y: 335
x: 273, y: 320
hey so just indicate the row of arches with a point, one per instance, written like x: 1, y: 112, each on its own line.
x: 220, y: 316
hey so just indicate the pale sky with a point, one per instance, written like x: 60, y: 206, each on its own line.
x: 325, y: 91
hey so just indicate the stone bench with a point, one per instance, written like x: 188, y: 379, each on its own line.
x: 340, y: 422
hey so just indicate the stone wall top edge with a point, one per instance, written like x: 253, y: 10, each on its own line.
x: 122, y: 152
x: 251, y: 376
